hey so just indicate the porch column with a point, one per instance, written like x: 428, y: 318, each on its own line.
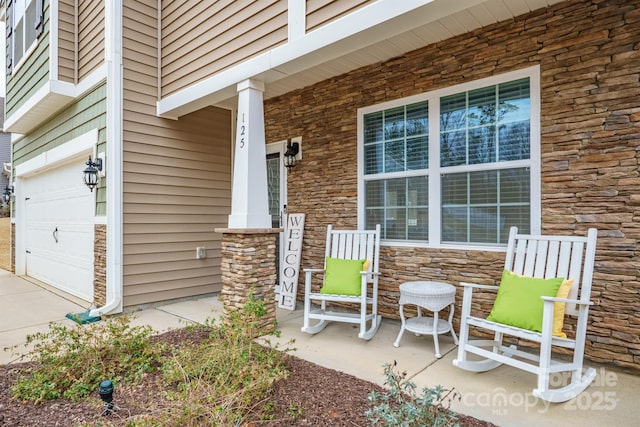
x: 249, y: 243
x: 249, y: 197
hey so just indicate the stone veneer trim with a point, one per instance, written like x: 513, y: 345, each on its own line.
x: 100, y: 265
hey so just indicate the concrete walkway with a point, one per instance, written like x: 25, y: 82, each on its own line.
x: 502, y: 396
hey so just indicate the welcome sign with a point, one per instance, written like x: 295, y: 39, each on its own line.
x: 290, y: 266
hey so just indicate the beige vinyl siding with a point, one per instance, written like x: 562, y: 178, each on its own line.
x: 321, y: 12
x: 202, y: 38
x: 88, y: 113
x: 32, y: 74
x: 90, y: 36
x: 176, y: 179
x: 66, y: 41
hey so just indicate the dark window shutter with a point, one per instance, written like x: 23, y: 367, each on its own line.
x: 39, y: 17
x: 9, y: 35
x: 9, y: 18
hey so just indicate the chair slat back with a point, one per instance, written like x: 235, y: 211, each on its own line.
x: 354, y: 244
x: 570, y: 257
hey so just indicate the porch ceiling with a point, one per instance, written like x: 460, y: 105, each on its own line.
x: 479, y: 15
x: 431, y: 23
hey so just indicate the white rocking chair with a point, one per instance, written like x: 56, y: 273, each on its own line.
x: 347, y: 245
x: 541, y: 257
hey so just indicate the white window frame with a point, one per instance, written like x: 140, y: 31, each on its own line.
x: 27, y: 50
x: 434, y: 171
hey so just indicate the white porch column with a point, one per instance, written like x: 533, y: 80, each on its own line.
x: 249, y: 197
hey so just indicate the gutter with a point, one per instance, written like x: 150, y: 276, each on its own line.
x: 113, y: 60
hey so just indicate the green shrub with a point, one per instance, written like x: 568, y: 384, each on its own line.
x: 71, y: 362
x: 218, y: 381
x: 403, y: 406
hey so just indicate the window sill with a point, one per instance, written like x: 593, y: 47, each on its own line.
x: 25, y: 57
x: 462, y: 247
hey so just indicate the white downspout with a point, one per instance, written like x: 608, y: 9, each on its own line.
x: 113, y: 59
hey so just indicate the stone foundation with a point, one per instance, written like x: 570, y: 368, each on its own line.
x: 249, y: 266
x: 100, y: 265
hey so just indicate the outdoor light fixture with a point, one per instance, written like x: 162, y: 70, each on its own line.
x: 8, y: 191
x: 293, y: 148
x: 90, y: 174
x: 106, y: 394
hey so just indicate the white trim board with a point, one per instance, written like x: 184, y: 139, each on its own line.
x: 49, y: 159
x: 49, y: 99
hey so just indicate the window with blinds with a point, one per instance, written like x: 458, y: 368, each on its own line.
x: 452, y: 166
x: 397, y: 141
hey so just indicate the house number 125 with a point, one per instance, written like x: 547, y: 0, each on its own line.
x: 242, y: 132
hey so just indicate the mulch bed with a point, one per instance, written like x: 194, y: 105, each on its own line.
x: 310, y: 396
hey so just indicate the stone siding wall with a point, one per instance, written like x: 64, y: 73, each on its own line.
x: 100, y: 265
x: 589, y: 55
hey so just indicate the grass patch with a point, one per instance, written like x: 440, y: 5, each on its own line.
x: 219, y: 381
x: 5, y: 243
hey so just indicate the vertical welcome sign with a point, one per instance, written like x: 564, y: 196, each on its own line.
x: 290, y: 266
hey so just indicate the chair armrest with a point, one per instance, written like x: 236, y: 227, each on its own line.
x: 566, y: 300
x: 468, y: 295
x: 476, y: 286
x: 308, y: 272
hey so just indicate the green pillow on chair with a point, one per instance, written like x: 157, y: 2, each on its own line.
x: 342, y: 276
x: 518, y: 302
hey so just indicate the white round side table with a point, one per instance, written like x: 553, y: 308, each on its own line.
x: 433, y: 296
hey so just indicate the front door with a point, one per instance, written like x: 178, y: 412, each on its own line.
x: 276, y: 185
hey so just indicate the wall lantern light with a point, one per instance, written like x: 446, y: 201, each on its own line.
x: 90, y: 174
x: 293, y: 148
x: 8, y: 191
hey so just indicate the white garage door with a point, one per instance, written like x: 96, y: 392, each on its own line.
x: 59, y: 225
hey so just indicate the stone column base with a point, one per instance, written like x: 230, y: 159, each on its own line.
x: 249, y: 266
x: 100, y: 265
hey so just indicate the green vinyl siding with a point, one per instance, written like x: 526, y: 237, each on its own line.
x: 88, y: 113
x: 32, y: 74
